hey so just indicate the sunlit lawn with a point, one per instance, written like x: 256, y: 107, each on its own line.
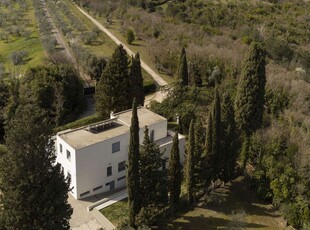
x: 31, y: 45
x: 116, y: 212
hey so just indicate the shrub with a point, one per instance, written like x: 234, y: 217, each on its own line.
x: 18, y: 57
x: 88, y: 37
x: 78, y: 123
x: 278, y: 50
x: 130, y: 36
x: 247, y: 40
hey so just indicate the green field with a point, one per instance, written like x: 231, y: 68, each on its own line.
x: 103, y: 46
x: 116, y: 212
x: 11, y: 42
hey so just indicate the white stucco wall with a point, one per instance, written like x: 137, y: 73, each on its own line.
x: 68, y: 165
x: 88, y: 165
x: 92, y: 163
x: 160, y: 130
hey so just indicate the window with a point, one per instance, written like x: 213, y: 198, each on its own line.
x: 68, y: 155
x: 60, y: 148
x: 116, y: 147
x: 121, y: 178
x: 109, y: 171
x: 97, y: 188
x: 84, y: 194
x: 69, y: 176
x: 152, y: 135
x: 121, y: 166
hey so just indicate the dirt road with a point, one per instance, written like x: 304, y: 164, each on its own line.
x: 159, y: 95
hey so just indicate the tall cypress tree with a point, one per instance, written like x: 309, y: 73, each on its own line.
x: 133, y: 183
x: 174, y: 173
x: 152, y: 176
x: 113, y: 91
x: 190, y: 164
x: 249, y: 103
x: 183, y: 70
x: 34, y: 191
x: 4, y: 99
x: 136, y: 80
x: 199, y: 162
x: 217, y: 135
x: 229, y: 138
x: 209, y: 173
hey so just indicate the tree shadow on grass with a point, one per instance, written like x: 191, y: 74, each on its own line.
x: 237, y: 196
x: 135, y: 44
x: 233, y: 206
x: 210, y: 223
x: 96, y: 43
x: 27, y: 60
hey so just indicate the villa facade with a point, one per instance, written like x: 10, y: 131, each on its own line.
x: 94, y: 156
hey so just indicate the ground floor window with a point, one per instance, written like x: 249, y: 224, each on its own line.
x: 121, y: 178
x: 84, y: 193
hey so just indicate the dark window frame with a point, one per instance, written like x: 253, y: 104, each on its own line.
x: 109, y: 171
x: 116, y: 147
x: 68, y: 155
x: 122, y: 166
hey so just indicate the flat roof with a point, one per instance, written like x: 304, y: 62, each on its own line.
x: 81, y: 137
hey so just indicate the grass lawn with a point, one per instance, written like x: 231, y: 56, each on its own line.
x: 116, y: 212
x: 233, y: 206
x: 104, y: 46
x: 136, y: 46
x: 32, y: 44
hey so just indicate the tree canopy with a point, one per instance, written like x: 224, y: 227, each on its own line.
x: 133, y: 177
x: 113, y: 91
x: 34, y: 191
x: 249, y: 102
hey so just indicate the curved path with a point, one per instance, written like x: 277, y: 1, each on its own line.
x: 158, y: 79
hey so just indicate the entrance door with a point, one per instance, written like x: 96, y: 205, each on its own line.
x: 112, y: 186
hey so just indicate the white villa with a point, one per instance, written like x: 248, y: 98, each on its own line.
x: 94, y: 156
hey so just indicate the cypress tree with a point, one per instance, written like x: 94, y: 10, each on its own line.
x: 174, y: 173
x: 113, y: 91
x: 4, y: 98
x: 190, y: 164
x: 249, y: 103
x: 209, y: 173
x: 217, y: 137
x: 229, y: 138
x: 152, y: 176
x: 34, y: 191
x: 137, y: 80
x: 133, y: 183
x: 199, y: 165
x: 183, y: 70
